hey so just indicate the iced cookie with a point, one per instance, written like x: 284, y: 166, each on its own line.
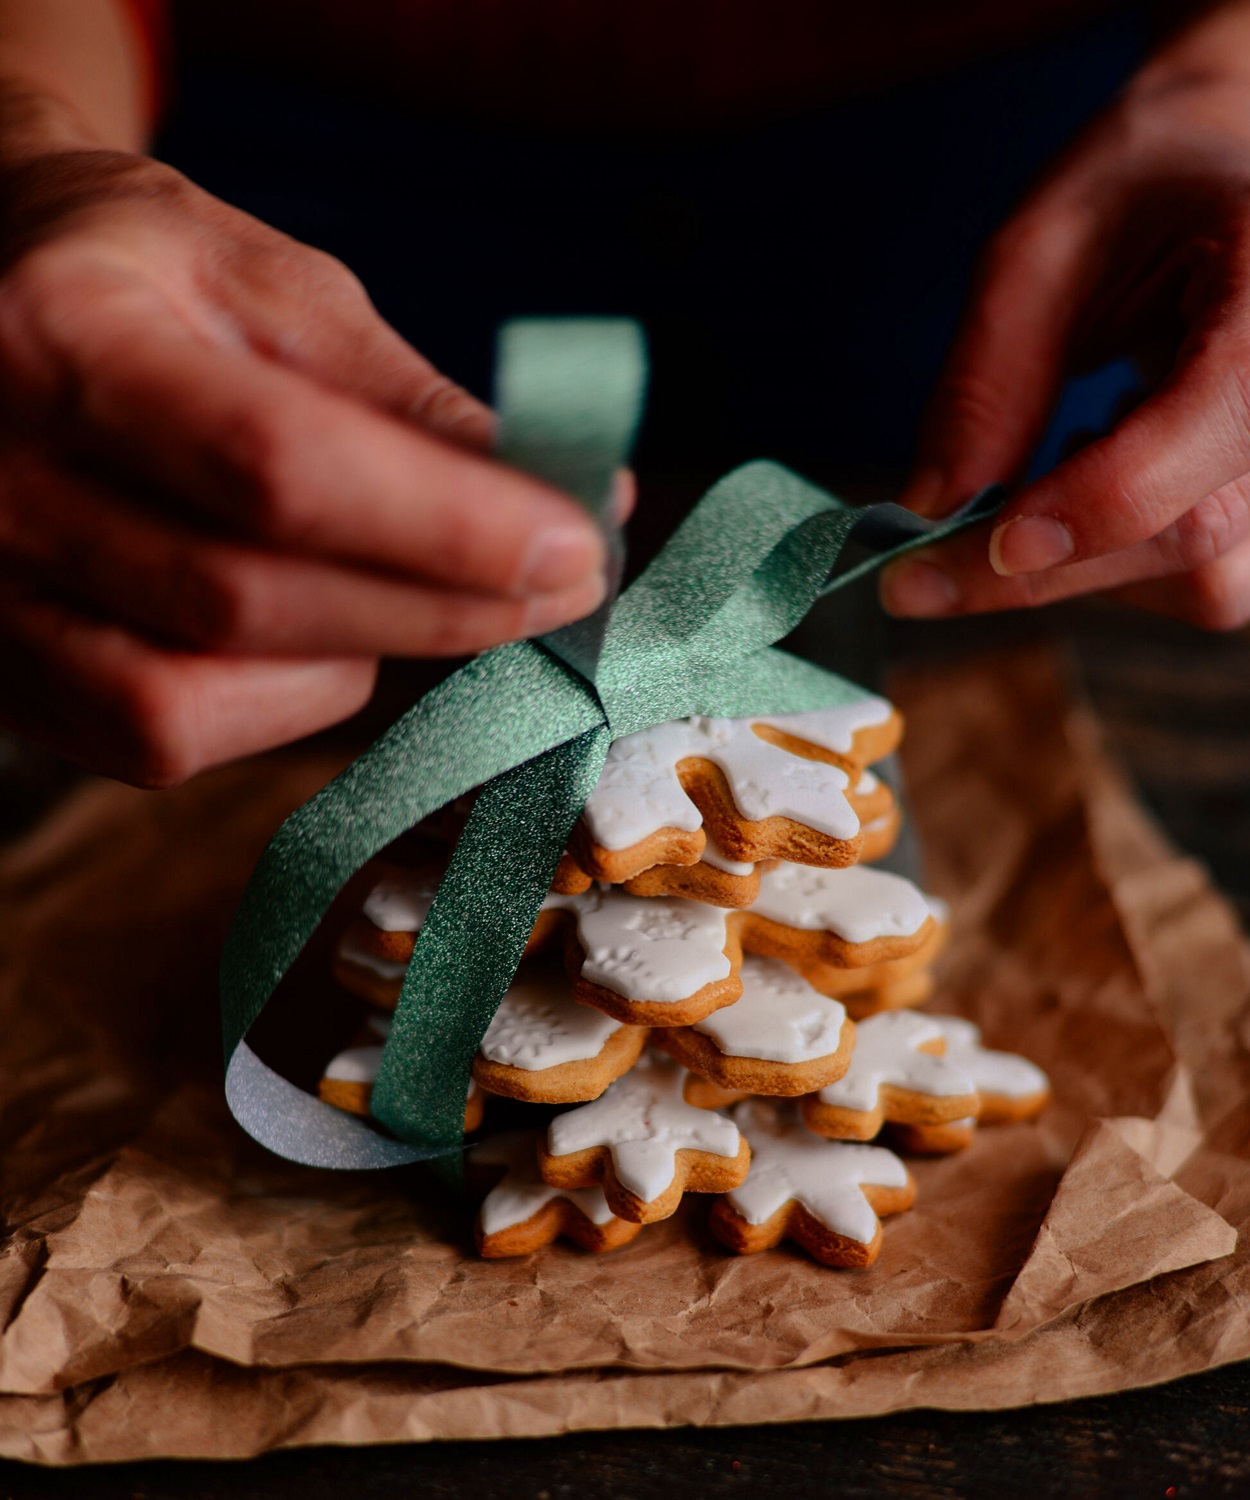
x: 714, y: 879
x: 721, y: 881
x: 894, y: 994
x: 827, y: 1196
x: 545, y: 1048
x: 348, y: 1080
x: 896, y: 1074
x: 670, y: 962
x: 1009, y: 1088
x: 933, y: 1140
x: 644, y: 1145
x: 880, y: 835
x: 649, y: 963
x: 781, y: 1037
x: 372, y: 956
x: 765, y: 788
x: 521, y: 1213
x: 850, y: 919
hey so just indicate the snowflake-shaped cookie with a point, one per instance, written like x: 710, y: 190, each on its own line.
x: 766, y: 788
x: 828, y: 1196
x: 544, y: 1048
x: 645, y: 1145
x: 896, y: 1074
x: 521, y: 1212
x: 781, y: 1037
x: 1009, y: 1088
x: 670, y: 962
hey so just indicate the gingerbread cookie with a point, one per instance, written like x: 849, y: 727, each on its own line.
x: 827, y: 1196
x: 781, y: 1037
x: 1009, y: 1088
x: 880, y: 835
x: 644, y: 1145
x: 896, y: 1074
x: 670, y: 962
x: 521, y: 1213
x: 348, y: 1080
x: 852, y: 919
x: 714, y: 879
x: 766, y: 788
x: 545, y: 1048
x: 933, y: 1140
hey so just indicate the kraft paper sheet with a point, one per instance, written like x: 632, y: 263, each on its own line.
x: 168, y: 1288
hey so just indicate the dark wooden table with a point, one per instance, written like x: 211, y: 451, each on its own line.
x: 1176, y: 706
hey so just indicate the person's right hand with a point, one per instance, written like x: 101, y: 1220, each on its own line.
x: 227, y: 487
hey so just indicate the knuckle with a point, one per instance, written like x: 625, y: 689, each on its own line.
x: 454, y: 630
x: 216, y: 604
x: 443, y: 406
x: 1033, y: 242
x: 261, y: 449
x: 156, y: 749
x: 972, y: 399
x: 1206, y: 532
x: 1219, y: 597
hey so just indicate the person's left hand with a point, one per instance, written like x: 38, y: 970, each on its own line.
x: 1137, y: 243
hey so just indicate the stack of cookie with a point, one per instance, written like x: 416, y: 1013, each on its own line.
x: 721, y: 988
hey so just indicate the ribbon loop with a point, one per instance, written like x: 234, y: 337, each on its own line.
x: 531, y: 724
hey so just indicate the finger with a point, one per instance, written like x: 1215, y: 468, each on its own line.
x: 1005, y: 367
x: 183, y: 586
x: 1214, y: 597
x: 956, y: 578
x: 307, y: 310
x: 125, y: 707
x: 287, y: 462
x: 1189, y: 439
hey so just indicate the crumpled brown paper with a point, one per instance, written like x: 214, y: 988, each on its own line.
x: 167, y: 1287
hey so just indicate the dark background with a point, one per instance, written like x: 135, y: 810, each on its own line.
x: 799, y: 283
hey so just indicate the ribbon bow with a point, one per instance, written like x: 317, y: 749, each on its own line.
x: 530, y: 723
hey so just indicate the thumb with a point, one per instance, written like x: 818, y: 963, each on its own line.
x: 1005, y: 367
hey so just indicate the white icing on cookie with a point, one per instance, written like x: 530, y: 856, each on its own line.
x: 352, y: 950
x: 779, y: 1017
x: 639, y: 791
x: 790, y: 1164
x: 522, y: 1193
x: 400, y: 901
x: 663, y: 948
x: 858, y: 903
x: 540, y: 1025
x: 886, y: 1053
x: 833, y: 729
x: 643, y: 1121
x: 867, y: 783
x: 1001, y: 1073
x: 355, y: 1065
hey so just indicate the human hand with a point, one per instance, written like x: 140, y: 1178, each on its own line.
x: 1137, y: 243
x: 227, y: 487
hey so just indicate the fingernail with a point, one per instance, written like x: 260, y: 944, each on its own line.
x: 919, y: 589
x: 924, y: 491
x: 549, y: 611
x: 1029, y: 544
x: 559, y: 557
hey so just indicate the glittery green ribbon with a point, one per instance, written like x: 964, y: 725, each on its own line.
x: 531, y: 723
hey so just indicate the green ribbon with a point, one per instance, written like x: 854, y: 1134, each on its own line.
x: 530, y: 723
